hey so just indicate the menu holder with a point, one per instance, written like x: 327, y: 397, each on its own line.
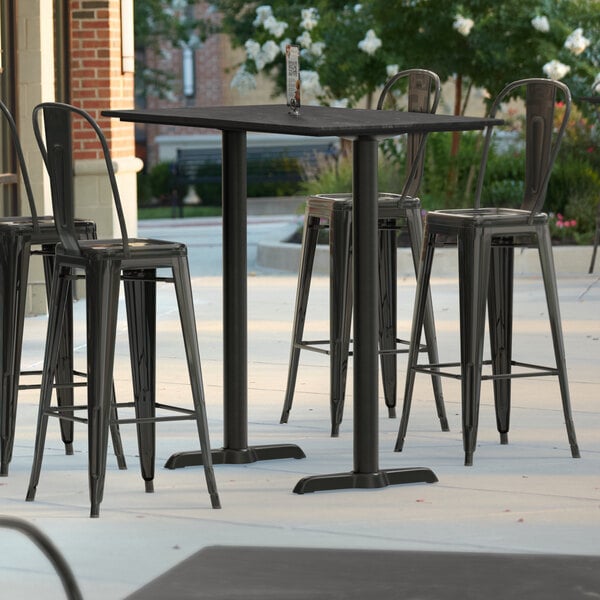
x: 292, y: 69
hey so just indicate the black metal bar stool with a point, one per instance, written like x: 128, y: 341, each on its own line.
x: 104, y: 263
x: 486, y: 240
x: 21, y: 237
x: 396, y: 212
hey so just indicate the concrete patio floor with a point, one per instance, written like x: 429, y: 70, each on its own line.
x: 529, y: 496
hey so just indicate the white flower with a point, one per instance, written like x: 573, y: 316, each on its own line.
x: 576, y: 42
x: 304, y: 40
x: 309, y: 18
x: 171, y: 96
x: 317, y: 49
x: 275, y: 27
x: 596, y: 84
x: 555, y: 69
x: 262, y: 14
x: 269, y: 51
x: 463, y: 25
x: 193, y: 41
x: 252, y: 49
x: 370, y: 44
x: 310, y: 83
x: 262, y: 55
x: 283, y: 44
x: 391, y: 70
x: 342, y: 103
x: 243, y: 81
x: 357, y: 8
x: 541, y: 23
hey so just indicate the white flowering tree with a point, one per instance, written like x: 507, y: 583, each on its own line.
x: 341, y: 59
x: 348, y: 50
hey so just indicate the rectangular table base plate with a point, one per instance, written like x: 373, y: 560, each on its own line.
x: 353, y: 480
x: 229, y: 456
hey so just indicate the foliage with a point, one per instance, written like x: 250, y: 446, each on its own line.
x: 573, y: 191
x: 167, y: 212
x: 161, y: 25
x: 277, y: 176
x: 348, y: 50
x: 323, y: 29
x: 335, y: 176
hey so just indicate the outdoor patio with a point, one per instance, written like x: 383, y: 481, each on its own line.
x: 527, y: 497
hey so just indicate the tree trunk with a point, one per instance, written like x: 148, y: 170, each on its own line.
x: 457, y: 111
x: 453, y: 172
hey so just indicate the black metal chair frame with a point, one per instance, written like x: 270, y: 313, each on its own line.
x: 45, y: 544
x: 486, y: 240
x: 105, y: 263
x: 396, y: 212
x: 20, y: 238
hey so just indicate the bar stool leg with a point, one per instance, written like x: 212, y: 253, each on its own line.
x: 102, y: 296
x: 549, y: 276
x: 473, y: 275
x: 115, y: 433
x: 64, y: 369
x: 388, y: 301
x: 340, y: 309
x: 183, y: 289
x: 140, y: 301
x: 57, y: 308
x: 500, y: 317
x: 415, y: 232
x: 14, y: 270
x: 422, y: 297
x: 309, y: 246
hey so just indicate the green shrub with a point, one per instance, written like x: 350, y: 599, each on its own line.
x: 449, y: 182
x: 144, y: 189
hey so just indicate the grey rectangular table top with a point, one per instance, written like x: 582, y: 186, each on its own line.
x: 312, y: 120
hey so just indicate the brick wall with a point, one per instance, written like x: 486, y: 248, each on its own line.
x: 97, y: 80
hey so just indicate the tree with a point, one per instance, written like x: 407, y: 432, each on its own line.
x: 161, y: 25
x: 348, y: 50
x: 329, y: 34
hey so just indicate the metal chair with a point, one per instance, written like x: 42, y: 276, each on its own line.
x: 103, y: 263
x: 396, y: 211
x: 486, y: 240
x: 21, y: 237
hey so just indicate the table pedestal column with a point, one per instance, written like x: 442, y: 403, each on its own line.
x: 366, y: 473
x: 235, y: 323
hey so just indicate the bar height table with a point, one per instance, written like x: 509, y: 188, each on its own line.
x: 365, y: 128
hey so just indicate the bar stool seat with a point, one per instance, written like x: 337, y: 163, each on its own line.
x: 396, y: 212
x: 104, y: 263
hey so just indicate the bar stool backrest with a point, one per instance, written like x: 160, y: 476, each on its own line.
x: 542, y: 137
x: 56, y: 146
x: 423, y: 95
x: 12, y: 127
